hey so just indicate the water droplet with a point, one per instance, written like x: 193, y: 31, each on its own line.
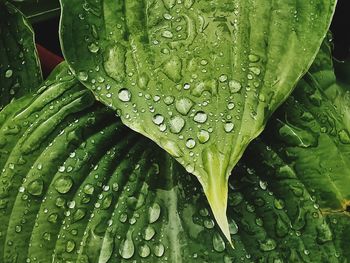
x: 176, y: 124
x: 78, y: 214
x: 218, y: 243
x: 172, y: 69
x: 88, y: 189
x: 187, y: 86
x: 204, y: 62
x: 204, y: 212
x: 167, y: 34
x: 230, y: 105
x: 154, y: 213
x: 203, y: 136
x: 223, y: 78
x: 8, y: 73
x: 159, y: 250
x: 144, y: 251
x: 168, y: 100
x: 209, y: 223
x: 183, y: 105
x: 158, y: 119
x: 18, y: 229
x: 190, y: 143
x: 83, y: 76
x: 253, y: 58
x: 127, y: 248
x: 278, y: 203
x: 344, y: 137
x: 93, y: 47
x: 52, y: 218
x: 229, y: 127
x: 47, y: 236
x: 263, y: 185
x: 36, y: 187
x: 233, y: 227
x: 148, y: 233
x: 70, y: 245
x: 235, y: 86
x: 63, y: 184
x: 200, y: 117
x: 255, y: 70
x: 143, y: 80
x: 124, y: 95
x: 268, y: 245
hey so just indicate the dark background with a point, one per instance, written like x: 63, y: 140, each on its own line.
x: 46, y: 32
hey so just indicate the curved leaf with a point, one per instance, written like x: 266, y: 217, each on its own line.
x: 38, y: 10
x: 200, y: 78
x: 77, y: 197
x: 20, y: 70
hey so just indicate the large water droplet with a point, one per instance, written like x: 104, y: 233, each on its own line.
x: 233, y: 227
x: 8, y: 73
x: 167, y: 34
x: 36, y: 187
x: 124, y: 95
x: 176, y: 124
x: 144, y: 251
x: 88, y: 189
x: 229, y: 126
x: 183, y: 105
x: 79, y: 214
x: 159, y: 250
x: 148, y: 233
x: 253, y: 58
x: 223, y: 78
x: 344, y: 137
x: 203, y: 136
x: 190, y: 143
x: 158, y: 119
x: 168, y: 100
x: 235, y: 86
x: 83, y: 76
x: 93, y: 47
x: 127, y: 248
x: 172, y: 69
x: 70, y: 245
x: 154, y: 213
x: 218, y: 243
x: 200, y: 117
x: 63, y: 184
x: 268, y: 245
x: 143, y: 81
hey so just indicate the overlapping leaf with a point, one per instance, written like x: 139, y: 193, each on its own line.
x: 38, y: 10
x: 70, y: 195
x: 200, y: 78
x: 19, y: 65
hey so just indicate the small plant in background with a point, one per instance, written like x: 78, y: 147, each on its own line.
x: 202, y: 79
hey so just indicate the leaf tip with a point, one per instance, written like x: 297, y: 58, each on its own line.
x: 216, y: 190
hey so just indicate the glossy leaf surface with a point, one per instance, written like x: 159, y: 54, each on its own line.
x: 19, y: 64
x: 200, y: 78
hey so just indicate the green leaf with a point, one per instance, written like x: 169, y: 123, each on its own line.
x: 38, y: 10
x: 200, y: 78
x: 20, y: 70
x: 67, y: 194
x: 312, y: 132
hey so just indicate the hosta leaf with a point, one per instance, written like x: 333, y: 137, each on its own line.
x: 77, y: 197
x: 314, y: 128
x: 38, y: 10
x: 19, y: 64
x: 200, y: 78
